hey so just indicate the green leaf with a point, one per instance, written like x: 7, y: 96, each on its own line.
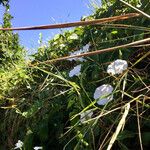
x: 125, y: 134
x: 70, y: 103
x: 114, y: 32
x: 146, y: 138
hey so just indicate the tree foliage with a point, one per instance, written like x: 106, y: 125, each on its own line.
x: 4, y: 2
x: 12, y: 58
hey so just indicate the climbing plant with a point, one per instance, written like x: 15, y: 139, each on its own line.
x: 84, y: 103
x: 12, y: 60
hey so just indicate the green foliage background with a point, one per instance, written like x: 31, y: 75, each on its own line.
x: 41, y: 104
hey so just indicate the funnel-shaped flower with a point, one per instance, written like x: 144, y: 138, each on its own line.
x: 78, y: 52
x: 38, y: 147
x: 104, y: 94
x: 75, y: 71
x: 73, y: 36
x: 117, y: 67
x: 85, y: 115
x: 19, y: 144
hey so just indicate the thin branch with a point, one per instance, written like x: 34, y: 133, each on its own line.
x: 138, y: 122
x: 142, y: 45
x: 74, y: 24
x: 125, y: 26
x: 139, y: 11
x: 95, y: 52
x: 119, y: 127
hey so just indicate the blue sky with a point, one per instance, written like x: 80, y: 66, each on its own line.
x: 38, y: 12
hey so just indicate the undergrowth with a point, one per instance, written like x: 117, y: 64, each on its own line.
x: 44, y: 104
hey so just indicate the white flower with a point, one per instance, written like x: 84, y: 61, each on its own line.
x: 117, y: 67
x: 102, y: 92
x: 73, y: 36
x: 38, y: 147
x: 86, y: 115
x: 55, y: 43
x: 86, y: 48
x: 75, y: 71
x: 62, y: 46
x: 76, y: 53
x: 19, y: 144
x: 83, y: 50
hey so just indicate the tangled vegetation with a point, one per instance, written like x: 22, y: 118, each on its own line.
x: 58, y: 105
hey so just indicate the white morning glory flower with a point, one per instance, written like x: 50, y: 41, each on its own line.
x: 55, y: 43
x: 102, y: 92
x: 83, y: 50
x: 85, y: 115
x: 76, y: 58
x: 73, y: 36
x: 62, y: 46
x: 75, y: 71
x: 117, y: 67
x: 38, y: 147
x: 19, y: 144
x: 86, y: 48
